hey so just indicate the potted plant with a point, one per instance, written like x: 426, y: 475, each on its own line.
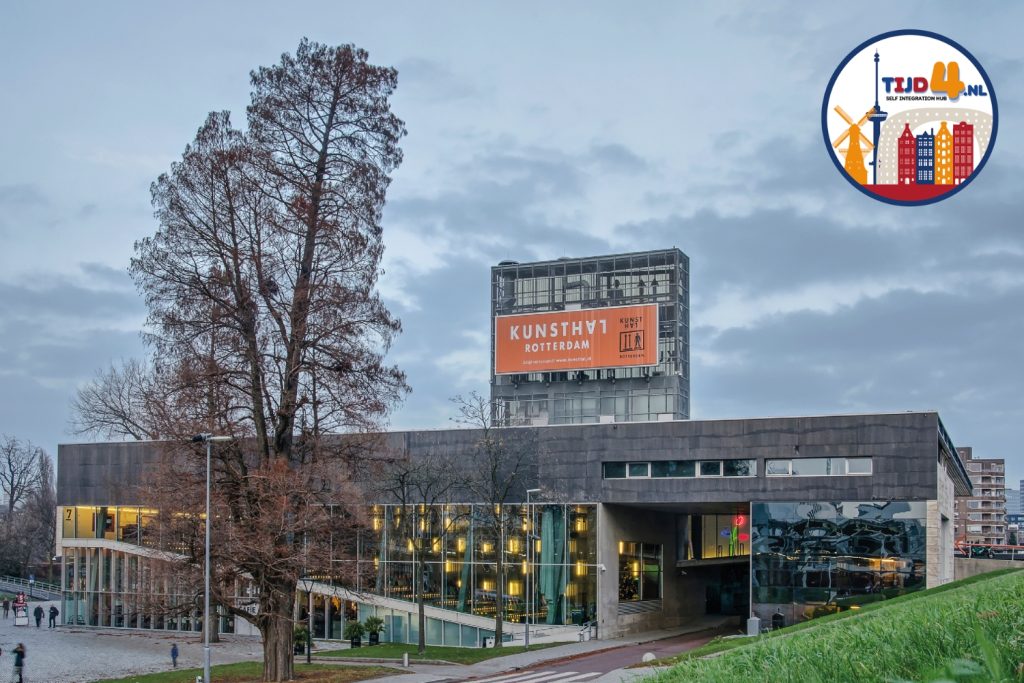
x: 374, y: 626
x: 354, y: 631
x: 301, y: 635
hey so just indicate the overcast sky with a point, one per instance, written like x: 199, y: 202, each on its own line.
x: 539, y: 130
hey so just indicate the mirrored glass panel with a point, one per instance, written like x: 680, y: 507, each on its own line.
x: 815, y: 558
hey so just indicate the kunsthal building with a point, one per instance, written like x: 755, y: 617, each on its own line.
x: 643, y: 519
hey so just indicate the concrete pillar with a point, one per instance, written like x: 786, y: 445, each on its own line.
x: 327, y: 618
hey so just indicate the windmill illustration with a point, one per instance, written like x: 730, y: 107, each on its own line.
x: 854, y: 152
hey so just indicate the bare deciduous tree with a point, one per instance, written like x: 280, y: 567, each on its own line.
x: 27, y: 482
x: 504, y: 460
x: 19, y: 471
x: 120, y: 402
x: 265, y: 323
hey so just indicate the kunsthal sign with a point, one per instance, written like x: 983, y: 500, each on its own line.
x: 616, y: 337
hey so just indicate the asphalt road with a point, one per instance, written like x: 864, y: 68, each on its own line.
x: 592, y: 666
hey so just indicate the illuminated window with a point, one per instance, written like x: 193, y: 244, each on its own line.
x: 639, y: 571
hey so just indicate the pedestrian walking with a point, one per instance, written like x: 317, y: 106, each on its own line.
x: 53, y: 616
x: 7, y: 607
x: 174, y: 655
x: 38, y: 613
x: 19, y: 663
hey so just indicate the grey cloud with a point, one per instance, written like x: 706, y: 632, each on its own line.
x: 22, y: 195
x: 617, y: 158
x: 433, y: 81
x: 904, y: 350
x: 102, y: 273
x: 850, y: 238
x: 32, y: 411
x: 58, y: 297
x: 455, y: 300
x: 499, y: 207
x: 53, y: 335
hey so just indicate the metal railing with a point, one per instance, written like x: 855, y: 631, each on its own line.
x: 588, y: 631
x: 33, y: 589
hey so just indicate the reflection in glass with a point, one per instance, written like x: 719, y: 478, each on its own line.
x: 814, y: 558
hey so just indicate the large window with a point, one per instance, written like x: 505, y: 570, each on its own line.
x: 680, y: 469
x: 817, y: 467
x: 639, y: 571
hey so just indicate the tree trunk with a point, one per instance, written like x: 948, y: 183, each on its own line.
x: 278, y: 639
x: 214, y: 624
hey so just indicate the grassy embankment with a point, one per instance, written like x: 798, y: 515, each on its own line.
x: 968, y: 631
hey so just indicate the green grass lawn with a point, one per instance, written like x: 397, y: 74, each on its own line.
x: 971, y: 630
x: 723, y: 644
x: 458, y: 655
x: 252, y: 672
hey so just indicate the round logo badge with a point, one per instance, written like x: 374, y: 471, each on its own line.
x: 909, y: 117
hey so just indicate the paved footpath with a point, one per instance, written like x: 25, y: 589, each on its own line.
x: 78, y: 655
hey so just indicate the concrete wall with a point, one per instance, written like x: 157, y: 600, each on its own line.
x: 939, y: 552
x: 965, y: 567
x: 683, y: 597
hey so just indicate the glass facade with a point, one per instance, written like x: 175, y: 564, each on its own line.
x: 814, y: 558
x: 554, y: 579
x: 556, y: 582
x: 118, y: 589
x: 130, y: 524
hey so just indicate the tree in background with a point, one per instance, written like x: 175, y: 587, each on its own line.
x: 27, y: 483
x: 424, y: 489
x: 122, y: 401
x: 504, y: 458
x: 265, y: 323
x: 19, y: 472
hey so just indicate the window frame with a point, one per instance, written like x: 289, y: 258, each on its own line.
x: 630, y: 475
x: 700, y: 468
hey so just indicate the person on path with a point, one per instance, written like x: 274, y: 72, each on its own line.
x: 174, y: 655
x: 19, y: 663
x: 38, y: 612
x: 7, y: 607
x: 53, y: 616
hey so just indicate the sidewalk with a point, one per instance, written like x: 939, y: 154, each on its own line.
x: 492, y: 667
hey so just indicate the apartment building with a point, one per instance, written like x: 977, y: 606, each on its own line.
x: 981, y: 517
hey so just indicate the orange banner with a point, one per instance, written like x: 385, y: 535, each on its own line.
x: 616, y: 337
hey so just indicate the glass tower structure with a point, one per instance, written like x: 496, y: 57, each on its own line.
x: 633, y: 394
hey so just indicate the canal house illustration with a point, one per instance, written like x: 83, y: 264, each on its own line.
x: 936, y: 158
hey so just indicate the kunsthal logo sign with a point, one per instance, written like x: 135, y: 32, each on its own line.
x: 616, y: 337
x: 909, y: 117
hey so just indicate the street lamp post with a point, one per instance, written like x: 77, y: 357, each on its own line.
x: 529, y: 565
x: 208, y: 439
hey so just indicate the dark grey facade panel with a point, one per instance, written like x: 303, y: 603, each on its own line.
x: 903, y: 447
x: 104, y: 473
